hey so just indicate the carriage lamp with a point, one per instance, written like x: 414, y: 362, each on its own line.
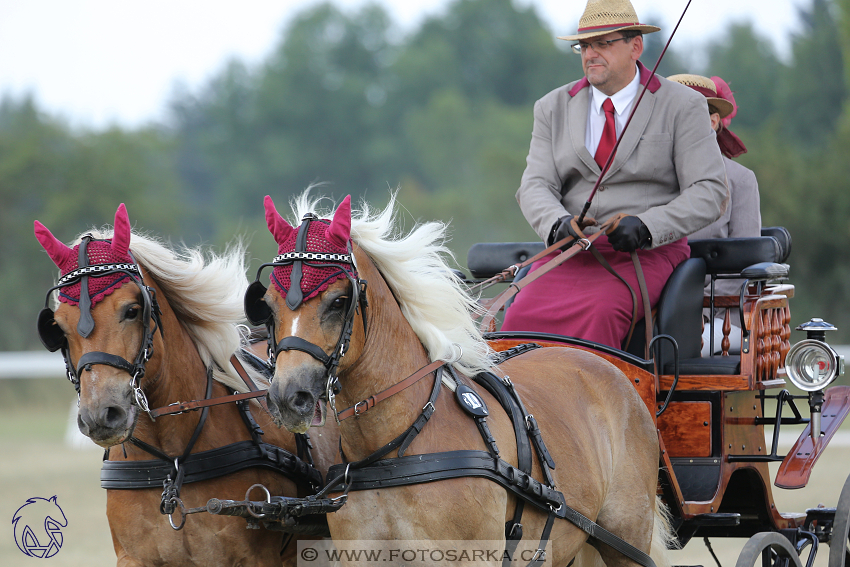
x: 812, y: 365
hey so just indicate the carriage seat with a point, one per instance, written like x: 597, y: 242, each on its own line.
x: 679, y: 310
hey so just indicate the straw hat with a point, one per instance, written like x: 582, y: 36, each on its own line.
x: 605, y: 16
x: 707, y: 88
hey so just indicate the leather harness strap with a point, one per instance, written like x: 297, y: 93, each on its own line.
x: 180, y: 407
x: 370, y: 402
x: 489, y: 317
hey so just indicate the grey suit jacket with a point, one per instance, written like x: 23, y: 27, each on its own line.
x: 742, y: 218
x: 668, y: 169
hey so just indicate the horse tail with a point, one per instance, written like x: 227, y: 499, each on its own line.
x: 663, y: 537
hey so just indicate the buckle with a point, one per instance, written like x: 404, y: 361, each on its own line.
x: 584, y: 243
x: 357, y: 405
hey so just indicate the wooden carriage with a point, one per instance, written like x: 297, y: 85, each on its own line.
x: 711, y: 411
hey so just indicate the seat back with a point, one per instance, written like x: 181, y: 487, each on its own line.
x: 678, y: 314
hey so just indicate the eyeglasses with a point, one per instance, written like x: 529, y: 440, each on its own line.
x: 598, y: 46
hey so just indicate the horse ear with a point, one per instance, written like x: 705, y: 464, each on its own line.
x: 121, y: 232
x: 278, y: 226
x: 58, y: 252
x: 339, y: 230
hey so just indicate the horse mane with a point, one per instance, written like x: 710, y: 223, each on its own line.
x: 415, y: 266
x: 205, y: 290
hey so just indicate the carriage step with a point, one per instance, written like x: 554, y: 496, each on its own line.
x: 725, y: 519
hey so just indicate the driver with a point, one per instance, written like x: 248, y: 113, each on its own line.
x: 667, y: 176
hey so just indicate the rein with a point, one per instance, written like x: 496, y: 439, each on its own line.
x: 489, y: 318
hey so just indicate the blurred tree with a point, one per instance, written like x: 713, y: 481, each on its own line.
x: 814, y: 89
x: 70, y: 183
x: 750, y: 65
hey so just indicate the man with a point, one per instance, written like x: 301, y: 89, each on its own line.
x: 667, y: 176
x: 742, y: 218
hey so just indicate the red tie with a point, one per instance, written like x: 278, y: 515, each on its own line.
x: 609, y: 134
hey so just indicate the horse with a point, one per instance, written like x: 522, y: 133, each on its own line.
x: 401, y: 307
x: 179, y: 324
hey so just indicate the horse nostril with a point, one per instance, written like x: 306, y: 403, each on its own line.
x: 113, y: 417
x: 302, y: 401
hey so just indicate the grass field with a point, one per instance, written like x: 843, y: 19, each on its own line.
x: 37, y: 462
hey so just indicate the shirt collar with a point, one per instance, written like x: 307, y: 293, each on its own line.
x: 622, y: 99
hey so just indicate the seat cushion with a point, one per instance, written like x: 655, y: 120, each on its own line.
x: 720, y: 365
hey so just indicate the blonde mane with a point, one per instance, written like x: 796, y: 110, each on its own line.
x: 436, y: 305
x: 205, y: 291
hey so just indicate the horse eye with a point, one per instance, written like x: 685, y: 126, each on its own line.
x: 339, y: 302
x: 132, y: 312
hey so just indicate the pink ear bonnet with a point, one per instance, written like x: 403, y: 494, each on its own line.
x: 115, y: 251
x: 322, y: 248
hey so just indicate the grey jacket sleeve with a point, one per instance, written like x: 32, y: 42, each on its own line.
x: 539, y: 193
x: 703, y: 195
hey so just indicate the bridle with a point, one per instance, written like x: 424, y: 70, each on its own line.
x: 54, y: 339
x: 258, y: 312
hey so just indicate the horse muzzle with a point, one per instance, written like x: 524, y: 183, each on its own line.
x: 108, y: 424
x: 296, y: 408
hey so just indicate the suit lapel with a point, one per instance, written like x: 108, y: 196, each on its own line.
x: 577, y: 127
x: 632, y: 135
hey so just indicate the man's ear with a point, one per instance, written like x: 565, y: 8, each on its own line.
x: 637, y: 47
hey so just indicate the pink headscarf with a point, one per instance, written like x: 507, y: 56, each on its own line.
x: 731, y: 145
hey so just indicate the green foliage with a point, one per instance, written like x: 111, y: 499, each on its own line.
x: 69, y: 182
x: 443, y: 115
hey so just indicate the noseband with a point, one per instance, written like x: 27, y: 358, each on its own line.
x: 53, y: 338
x: 259, y: 313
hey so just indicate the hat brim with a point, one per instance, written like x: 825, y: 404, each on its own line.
x: 723, y: 106
x: 609, y: 29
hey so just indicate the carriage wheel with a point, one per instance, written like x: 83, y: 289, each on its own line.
x: 772, y: 548
x: 839, y: 543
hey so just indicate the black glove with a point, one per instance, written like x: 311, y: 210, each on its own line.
x: 566, y: 226
x: 629, y: 235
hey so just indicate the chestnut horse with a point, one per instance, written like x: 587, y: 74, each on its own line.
x: 188, y: 305
x: 596, y: 427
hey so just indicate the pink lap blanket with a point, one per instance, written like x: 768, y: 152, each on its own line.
x: 581, y: 299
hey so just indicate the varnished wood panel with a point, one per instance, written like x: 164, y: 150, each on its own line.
x: 686, y: 429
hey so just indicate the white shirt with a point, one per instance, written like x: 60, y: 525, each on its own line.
x: 622, y: 99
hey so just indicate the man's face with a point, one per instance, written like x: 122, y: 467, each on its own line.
x: 611, y: 68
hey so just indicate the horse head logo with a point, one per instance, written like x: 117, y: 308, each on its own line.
x: 38, y: 526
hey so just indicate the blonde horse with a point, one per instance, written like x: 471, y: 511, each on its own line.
x: 160, y: 326
x: 596, y: 426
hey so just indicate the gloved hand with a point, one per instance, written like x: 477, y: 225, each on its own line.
x: 566, y: 226
x: 629, y: 234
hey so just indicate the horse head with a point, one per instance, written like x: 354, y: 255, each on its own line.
x: 104, y: 327
x: 310, y: 309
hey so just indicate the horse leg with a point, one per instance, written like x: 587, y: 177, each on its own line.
x: 651, y: 539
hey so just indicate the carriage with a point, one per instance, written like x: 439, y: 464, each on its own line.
x: 711, y: 412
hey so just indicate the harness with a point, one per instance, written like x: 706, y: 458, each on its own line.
x: 167, y: 471
x: 375, y: 471
x: 259, y: 313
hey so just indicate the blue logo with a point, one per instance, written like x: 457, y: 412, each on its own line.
x: 38, y: 527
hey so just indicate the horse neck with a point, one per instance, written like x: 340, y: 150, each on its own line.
x: 390, y: 353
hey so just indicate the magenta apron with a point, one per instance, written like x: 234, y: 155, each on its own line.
x: 580, y: 298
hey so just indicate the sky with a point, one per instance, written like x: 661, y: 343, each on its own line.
x: 98, y: 63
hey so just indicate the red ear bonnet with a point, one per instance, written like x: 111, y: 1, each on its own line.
x: 98, y: 251
x: 58, y: 252
x: 280, y: 229
x: 340, y: 229
x: 321, y: 238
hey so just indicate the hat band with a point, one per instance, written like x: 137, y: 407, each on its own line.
x: 704, y: 91
x: 611, y: 27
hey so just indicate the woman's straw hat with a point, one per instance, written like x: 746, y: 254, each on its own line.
x: 605, y: 16
x: 708, y: 89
